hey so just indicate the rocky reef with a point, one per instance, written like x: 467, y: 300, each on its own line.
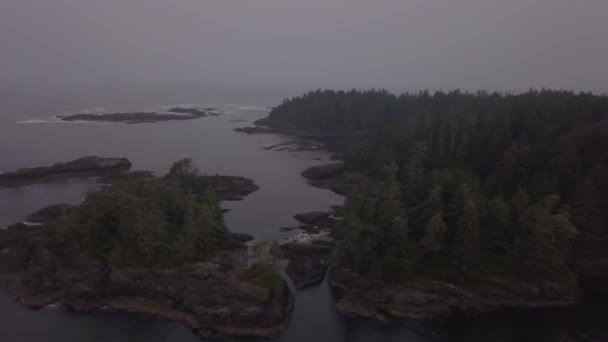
x: 176, y: 113
x: 82, y: 167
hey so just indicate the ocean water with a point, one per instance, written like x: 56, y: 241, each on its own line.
x: 30, y: 135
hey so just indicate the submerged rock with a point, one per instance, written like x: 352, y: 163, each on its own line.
x: 83, y: 167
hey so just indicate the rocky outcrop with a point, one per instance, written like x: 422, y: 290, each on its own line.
x: 309, y: 255
x: 125, y: 176
x: 83, y: 167
x: 362, y: 297
x: 308, y: 262
x: 295, y: 146
x: 254, y: 130
x: 50, y: 213
x: 210, y: 297
x: 335, y: 177
x: 177, y: 113
x: 229, y: 188
x: 199, y: 112
x: 312, y: 218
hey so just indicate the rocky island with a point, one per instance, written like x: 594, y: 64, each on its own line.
x: 176, y: 113
x: 82, y: 167
x: 146, y: 244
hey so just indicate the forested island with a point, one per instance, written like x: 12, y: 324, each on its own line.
x: 156, y: 245
x: 461, y: 201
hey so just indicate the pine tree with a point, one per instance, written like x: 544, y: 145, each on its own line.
x: 467, y: 242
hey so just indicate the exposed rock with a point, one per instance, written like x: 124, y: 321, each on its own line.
x: 83, y: 167
x: 324, y: 171
x: 195, y: 111
x: 242, y: 237
x: 431, y: 298
x: 143, y: 117
x: 254, y: 130
x: 312, y: 218
x: 295, y: 146
x: 227, y: 188
x: 230, y: 188
x: 49, y: 213
x: 125, y: 176
x: 307, y: 263
x: 335, y: 177
x: 210, y: 298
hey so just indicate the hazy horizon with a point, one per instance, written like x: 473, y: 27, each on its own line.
x: 397, y: 45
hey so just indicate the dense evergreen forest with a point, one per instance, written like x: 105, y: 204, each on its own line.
x: 145, y: 222
x: 467, y: 184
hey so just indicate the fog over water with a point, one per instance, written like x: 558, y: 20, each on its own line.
x: 469, y: 44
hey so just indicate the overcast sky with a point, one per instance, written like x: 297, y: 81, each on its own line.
x: 470, y: 44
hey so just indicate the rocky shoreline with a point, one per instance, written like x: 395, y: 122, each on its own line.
x: 309, y: 264
x: 424, y: 299
x: 82, y: 167
x: 335, y: 177
x: 213, y: 298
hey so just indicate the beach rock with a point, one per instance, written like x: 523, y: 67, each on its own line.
x: 83, y: 167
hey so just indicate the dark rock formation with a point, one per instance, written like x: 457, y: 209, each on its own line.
x: 49, y: 213
x: 229, y: 188
x: 334, y: 177
x: 144, y: 117
x: 210, y: 297
x: 423, y: 299
x: 195, y: 111
x: 307, y: 262
x: 254, y: 130
x: 295, y: 146
x: 125, y: 176
x: 324, y: 171
x: 83, y: 167
x: 312, y: 218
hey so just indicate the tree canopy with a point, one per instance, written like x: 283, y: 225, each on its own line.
x: 149, y: 222
x: 467, y: 183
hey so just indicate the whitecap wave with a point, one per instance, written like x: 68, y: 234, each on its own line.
x: 57, y: 120
x: 35, y: 121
